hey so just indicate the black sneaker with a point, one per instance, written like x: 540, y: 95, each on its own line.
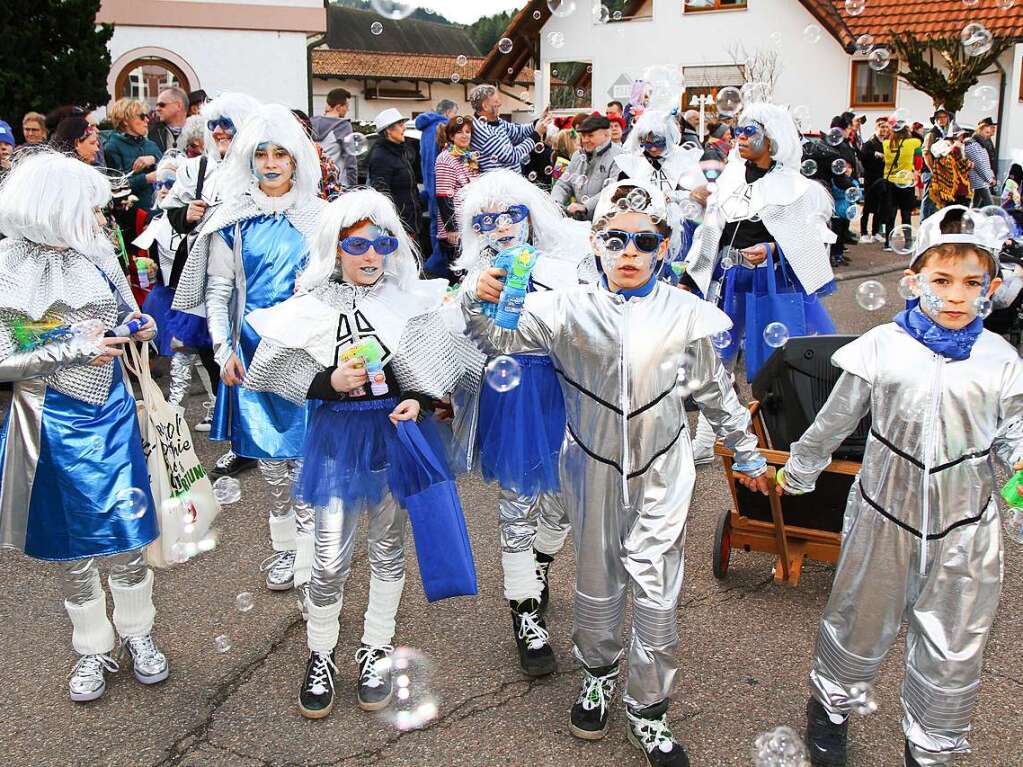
x: 543, y: 569
x: 591, y: 712
x: 535, y: 653
x: 229, y: 464
x: 374, y: 676
x: 316, y: 698
x: 650, y: 733
x: 825, y: 740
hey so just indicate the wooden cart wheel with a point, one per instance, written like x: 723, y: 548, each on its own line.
x: 722, y: 545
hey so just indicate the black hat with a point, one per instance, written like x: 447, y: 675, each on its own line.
x: 985, y: 121
x: 841, y: 121
x: 197, y: 97
x: 940, y: 111
x: 594, y: 122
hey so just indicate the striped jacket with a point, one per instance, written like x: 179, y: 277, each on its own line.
x: 981, y: 174
x: 502, y: 144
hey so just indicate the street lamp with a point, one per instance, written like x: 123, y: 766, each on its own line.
x: 702, y: 101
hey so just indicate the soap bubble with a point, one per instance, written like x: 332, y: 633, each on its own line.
x: 985, y: 97
x: 413, y: 703
x: 691, y: 210
x: 879, y: 59
x: 835, y: 136
x: 903, y: 179
x: 853, y: 194
x: 712, y: 169
x: 1000, y: 222
x: 907, y: 287
x: 970, y: 3
x: 839, y: 166
x: 601, y: 14
x: 503, y: 373
x: 131, y: 503
x: 721, y: 340
x: 801, y: 114
x: 976, y: 39
x: 1014, y: 526
x: 537, y: 15
x: 377, y: 29
x: 221, y: 644
x: 532, y: 175
x: 393, y: 9
x: 776, y: 335
x: 455, y: 77
x: 462, y: 60
x: 781, y: 747
x: 871, y: 295
x: 855, y: 7
x: 812, y: 33
x: 561, y: 8
x: 808, y: 168
x: 983, y: 306
x: 729, y: 101
x: 244, y: 602
x: 617, y: 16
x: 504, y: 45
x: 902, y: 240
x: 864, y: 44
x: 227, y: 490
x: 357, y: 143
x: 556, y: 40
x: 755, y: 92
x: 1005, y: 4
x: 861, y: 696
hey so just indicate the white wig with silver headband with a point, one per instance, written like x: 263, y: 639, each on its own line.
x: 780, y: 128
x: 237, y: 107
x: 493, y: 192
x: 270, y: 124
x: 348, y: 210
x: 657, y: 123
x: 51, y: 199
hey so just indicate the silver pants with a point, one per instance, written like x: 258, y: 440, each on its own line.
x: 950, y: 609
x: 281, y: 477
x: 181, y: 366
x: 335, y: 541
x: 528, y: 522
x: 81, y: 581
x: 637, y: 549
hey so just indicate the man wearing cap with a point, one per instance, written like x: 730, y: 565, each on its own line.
x: 391, y: 170
x: 592, y: 164
x: 6, y: 147
x: 982, y: 175
x: 940, y: 123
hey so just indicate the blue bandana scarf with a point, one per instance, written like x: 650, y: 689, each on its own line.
x: 954, y: 344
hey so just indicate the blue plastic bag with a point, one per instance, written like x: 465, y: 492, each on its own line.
x: 766, y: 303
x: 438, y: 525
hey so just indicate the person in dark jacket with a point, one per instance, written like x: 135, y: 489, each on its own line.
x: 872, y: 160
x: 130, y: 150
x: 171, y: 111
x: 391, y: 170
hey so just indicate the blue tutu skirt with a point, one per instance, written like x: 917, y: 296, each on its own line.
x: 352, y: 454
x: 189, y: 329
x: 520, y: 431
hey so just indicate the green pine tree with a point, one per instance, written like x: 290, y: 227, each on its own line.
x: 53, y: 54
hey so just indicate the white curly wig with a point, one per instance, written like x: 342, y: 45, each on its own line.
x: 781, y: 130
x: 349, y: 209
x: 495, y: 191
x: 658, y: 123
x: 239, y: 107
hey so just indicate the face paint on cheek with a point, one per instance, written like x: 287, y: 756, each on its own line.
x: 929, y: 299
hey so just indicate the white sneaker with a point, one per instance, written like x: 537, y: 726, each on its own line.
x: 150, y: 665
x: 280, y: 570
x: 87, y: 680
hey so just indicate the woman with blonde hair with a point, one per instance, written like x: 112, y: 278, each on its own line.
x: 130, y: 150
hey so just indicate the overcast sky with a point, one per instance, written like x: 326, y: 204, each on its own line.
x: 467, y: 11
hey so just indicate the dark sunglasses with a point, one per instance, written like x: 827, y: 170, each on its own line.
x: 749, y: 131
x: 488, y: 222
x: 658, y: 142
x: 384, y: 245
x: 222, y: 122
x: 165, y: 184
x: 616, y: 241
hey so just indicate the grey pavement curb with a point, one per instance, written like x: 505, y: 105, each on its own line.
x: 876, y: 271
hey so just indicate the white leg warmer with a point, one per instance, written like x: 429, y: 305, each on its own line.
x: 520, y: 578
x: 384, y: 597
x: 322, y: 626
x: 92, y: 633
x: 134, y: 611
x: 304, y: 546
x: 282, y: 533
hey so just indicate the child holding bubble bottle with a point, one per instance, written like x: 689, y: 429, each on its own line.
x: 921, y: 540
x: 629, y: 351
x: 74, y: 487
x: 364, y: 344
x: 507, y: 219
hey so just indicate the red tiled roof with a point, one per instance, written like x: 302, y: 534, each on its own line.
x: 926, y: 19
x: 395, y: 66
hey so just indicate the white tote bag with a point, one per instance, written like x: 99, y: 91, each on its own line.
x: 175, y: 473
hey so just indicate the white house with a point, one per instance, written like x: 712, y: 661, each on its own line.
x: 256, y: 46
x: 605, y: 50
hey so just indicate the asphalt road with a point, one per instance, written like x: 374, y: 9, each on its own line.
x: 744, y: 655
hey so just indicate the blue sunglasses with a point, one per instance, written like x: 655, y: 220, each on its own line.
x: 357, y: 246
x: 488, y: 222
x: 223, y: 122
x: 656, y: 143
x: 616, y: 241
x: 749, y: 131
x: 165, y: 184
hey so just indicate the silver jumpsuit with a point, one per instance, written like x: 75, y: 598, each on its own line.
x: 921, y: 539
x: 626, y: 466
